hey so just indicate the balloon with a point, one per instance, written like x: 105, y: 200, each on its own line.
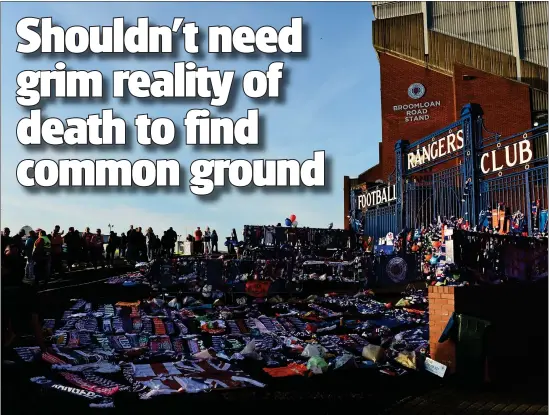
x: 294, y: 223
x: 288, y: 222
x: 293, y: 218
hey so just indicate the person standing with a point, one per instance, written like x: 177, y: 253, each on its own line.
x: 18, y: 241
x: 71, y: 239
x: 150, y: 241
x: 42, y: 257
x: 123, y: 246
x: 87, y: 246
x: 142, y: 244
x: 198, y: 240
x: 97, y: 249
x: 57, y: 250
x: 173, y: 237
x: 207, y: 241
x: 215, y: 240
x: 111, y: 249
x: 132, y: 252
x: 79, y: 246
x: 27, y: 252
x: 166, y: 243
x: 6, y: 240
x: 157, y: 247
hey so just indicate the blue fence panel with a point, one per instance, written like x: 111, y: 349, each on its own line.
x: 468, y: 186
x: 379, y: 221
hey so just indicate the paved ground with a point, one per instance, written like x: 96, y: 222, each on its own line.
x: 453, y: 400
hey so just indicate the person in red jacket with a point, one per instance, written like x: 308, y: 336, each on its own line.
x: 198, y: 240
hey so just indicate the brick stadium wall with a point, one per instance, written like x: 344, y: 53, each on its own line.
x: 396, y: 76
x: 506, y: 105
x: 441, y: 307
x: 518, y: 314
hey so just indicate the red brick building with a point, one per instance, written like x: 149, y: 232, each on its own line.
x: 430, y: 69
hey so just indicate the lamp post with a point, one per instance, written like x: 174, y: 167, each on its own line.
x: 110, y: 227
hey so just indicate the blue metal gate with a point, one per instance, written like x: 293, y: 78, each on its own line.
x: 374, y: 219
x: 462, y: 171
x: 379, y: 221
x: 518, y: 188
x: 475, y: 172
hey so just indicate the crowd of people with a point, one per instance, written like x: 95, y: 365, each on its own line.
x: 205, y: 242
x: 33, y: 257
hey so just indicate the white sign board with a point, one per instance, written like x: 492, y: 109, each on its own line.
x: 187, y: 248
x: 449, y: 251
x: 434, y: 367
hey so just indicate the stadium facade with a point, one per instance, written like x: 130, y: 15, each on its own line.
x: 437, y: 57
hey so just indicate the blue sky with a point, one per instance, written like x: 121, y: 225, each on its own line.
x: 332, y: 104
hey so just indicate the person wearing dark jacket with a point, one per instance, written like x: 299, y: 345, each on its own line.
x: 87, y: 247
x: 18, y: 241
x: 132, y: 252
x: 150, y: 240
x: 142, y: 244
x: 6, y: 240
x: 173, y: 238
x: 214, y: 241
x: 111, y: 248
x: 123, y: 246
x: 72, y: 240
x: 57, y: 250
x: 166, y: 243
